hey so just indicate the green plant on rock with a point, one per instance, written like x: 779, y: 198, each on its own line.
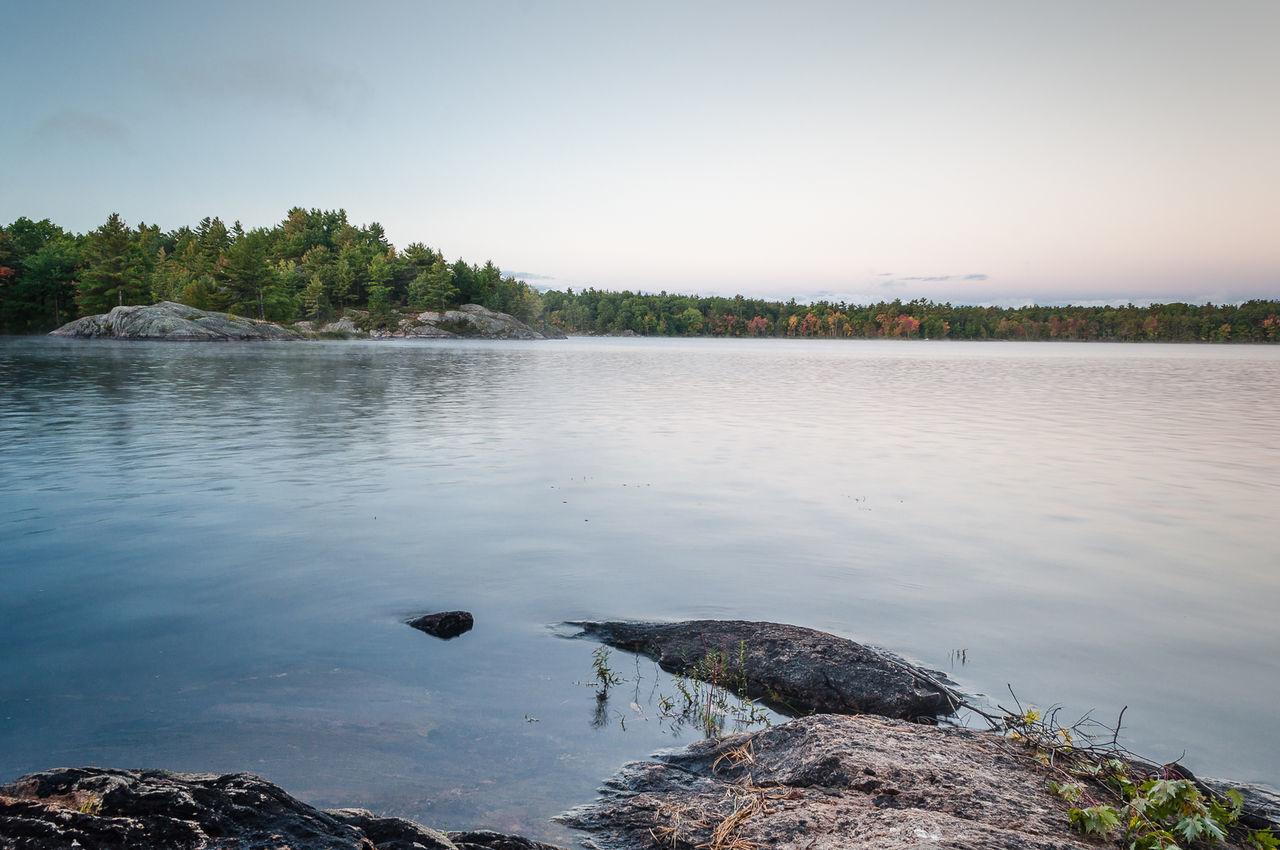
x: 1157, y: 814
x: 1115, y: 795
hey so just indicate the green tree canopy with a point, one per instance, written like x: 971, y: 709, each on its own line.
x: 112, y: 275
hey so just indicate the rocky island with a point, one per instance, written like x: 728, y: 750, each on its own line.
x: 174, y: 322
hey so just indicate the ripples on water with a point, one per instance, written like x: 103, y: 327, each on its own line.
x: 207, y: 549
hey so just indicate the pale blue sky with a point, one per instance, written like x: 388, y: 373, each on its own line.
x: 978, y: 152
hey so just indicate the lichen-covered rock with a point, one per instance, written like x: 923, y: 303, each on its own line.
x: 344, y: 325
x: 829, y: 782
x: 175, y: 322
x: 792, y: 669
x: 153, y: 809
x: 468, y: 320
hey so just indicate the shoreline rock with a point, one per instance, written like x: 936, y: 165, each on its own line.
x: 825, y: 781
x: 833, y: 782
x: 791, y: 669
x: 174, y: 322
x: 469, y: 320
x: 93, y: 807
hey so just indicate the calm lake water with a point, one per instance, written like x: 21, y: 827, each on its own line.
x: 207, y: 551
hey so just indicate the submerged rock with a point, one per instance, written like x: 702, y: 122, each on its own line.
x: 444, y: 625
x: 792, y: 669
x: 152, y: 809
x: 169, y: 320
x: 831, y: 782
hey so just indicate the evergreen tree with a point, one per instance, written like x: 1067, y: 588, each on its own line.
x: 379, y: 288
x: 112, y: 275
x: 315, y: 300
x: 418, y: 291
x: 248, y: 275
x: 441, y: 290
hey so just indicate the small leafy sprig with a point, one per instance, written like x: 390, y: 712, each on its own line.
x: 1114, y: 794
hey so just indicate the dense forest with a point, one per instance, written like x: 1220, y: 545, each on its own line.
x: 316, y: 265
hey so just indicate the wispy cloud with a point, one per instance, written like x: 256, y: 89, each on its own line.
x: 540, y: 282
x: 80, y: 129
x: 895, y: 280
x: 276, y: 81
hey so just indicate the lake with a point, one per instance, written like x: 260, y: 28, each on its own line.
x: 207, y: 551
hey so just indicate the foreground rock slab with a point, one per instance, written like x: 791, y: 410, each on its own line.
x: 830, y: 782
x: 144, y: 809
x: 792, y: 669
x: 174, y: 322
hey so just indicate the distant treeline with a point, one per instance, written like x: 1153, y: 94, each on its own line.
x: 681, y: 315
x: 316, y: 265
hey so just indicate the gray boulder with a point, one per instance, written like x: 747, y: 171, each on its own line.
x: 791, y: 669
x: 171, y: 321
x: 830, y: 782
x: 468, y: 320
x: 153, y: 809
x: 344, y: 325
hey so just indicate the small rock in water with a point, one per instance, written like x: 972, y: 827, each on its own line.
x: 444, y: 625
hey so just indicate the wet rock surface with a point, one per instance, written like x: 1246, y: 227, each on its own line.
x: 826, y: 782
x: 445, y: 624
x: 174, y: 322
x: 792, y: 669
x: 483, y: 839
x: 105, y: 808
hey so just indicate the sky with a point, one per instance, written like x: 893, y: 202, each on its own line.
x: 981, y: 152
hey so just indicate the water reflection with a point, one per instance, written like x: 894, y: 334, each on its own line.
x: 206, y: 551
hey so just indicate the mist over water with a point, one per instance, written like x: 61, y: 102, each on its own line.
x: 207, y: 551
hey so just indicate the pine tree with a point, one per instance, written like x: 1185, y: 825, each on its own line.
x: 112, y: 277
x: 440, y: 288
x: 379, y: 288
x: 315, y: 300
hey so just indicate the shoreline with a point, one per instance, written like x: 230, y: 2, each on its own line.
x: 844, y: 779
